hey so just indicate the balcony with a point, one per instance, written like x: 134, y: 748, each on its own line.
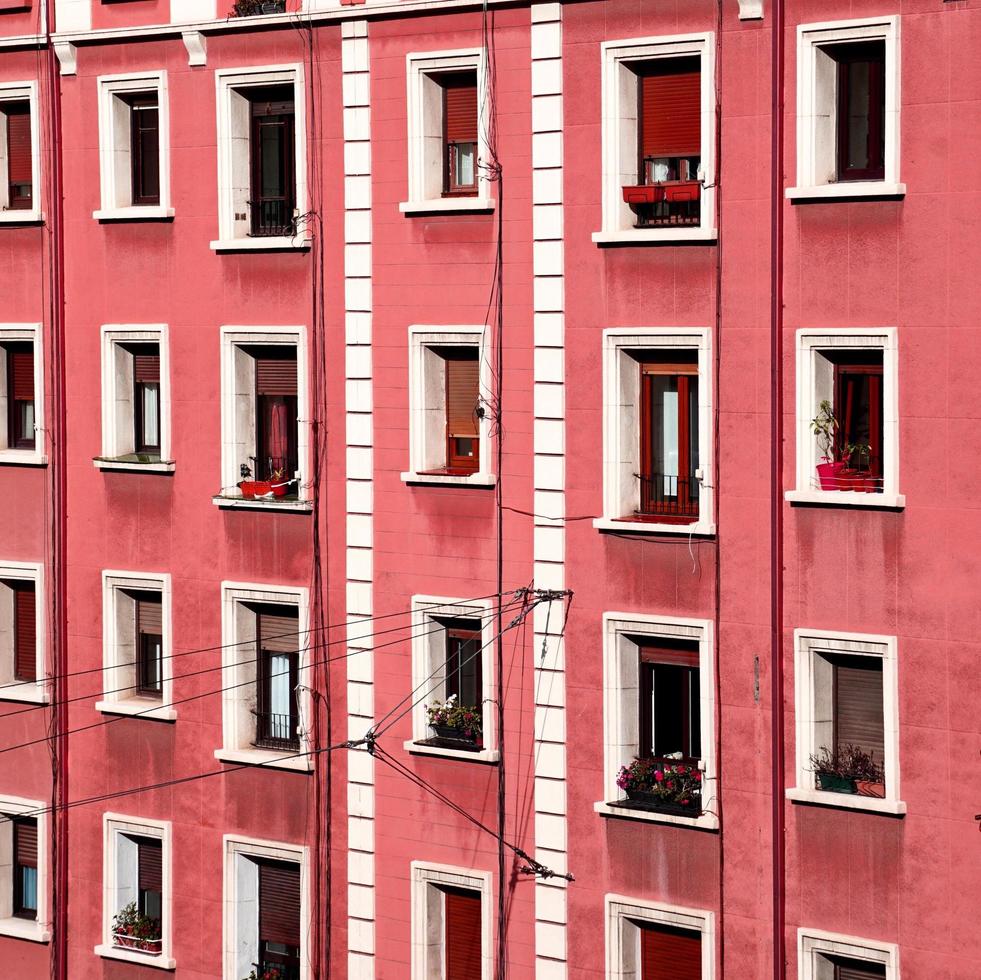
x: 272, y: 218
x: 668, y: 498
x: 276, y: 731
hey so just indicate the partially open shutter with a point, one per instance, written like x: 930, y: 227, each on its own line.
x: 25, y: 842
x: 461, y: 915
x: 21, y: 365
x: 279, y: 633
x: 279, y: 903
x: 856, y: 970
x: 460, y: 108
x: 146, y: 367
x: 858, y: 704
x: 275, y: 376
x: 150, y: 865
x: 670, y: 108
x: 25, y: 633
x: 665, y: 652
x: 670, y: 954
x: 462, y: 395
x: 19, y: 156
x: 149, y: 616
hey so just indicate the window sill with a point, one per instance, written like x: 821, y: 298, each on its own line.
x: 266, y: 758
x: 23, y: 457
x: 28, y: 692
x: 21, y: 218
x: 160, y: 961
x: 483, y: 755
x: 240, y: 503
x: 121, y: 463
x: 34, y: 932
x: 847, y: 801
x: 648, y: 236
x: 449, y: 205
x: 148, y: 213
x: 847, y: 498
x: 706, y: 821
x: 270, y: 244
x: 847, y: 189
x: 485, y: 480
x: 137, y: 708
x: 626, y: 526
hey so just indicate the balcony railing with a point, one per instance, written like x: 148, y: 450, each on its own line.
x: 670, y: 203
x: 272, y: 218
x: 276, y: 731
x: 668, y: 496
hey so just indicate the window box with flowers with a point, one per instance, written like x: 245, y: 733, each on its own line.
x: 667, y: 785
x: 131, y: 929
x: 269, y: 971
x: 252, y: 8
x: 849, y: 769
x: 459, y: 724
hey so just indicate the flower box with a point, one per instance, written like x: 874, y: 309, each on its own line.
x: 656, y: 802
x: 866, y: 787
x: 262, y: 488
x: 152, y: 947
x: 835, y: 784
x: 453, y: 734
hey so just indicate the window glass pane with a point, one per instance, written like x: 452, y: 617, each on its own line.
x: 664, y: 391
x: 463, y: 165
x: 151, y: 662
x: 279, y: 696
x: 28, y: 892
x: 26, y: 420
x: 150, y: 904
x: 271, y: 160
x: 151, y: 415
x: 858, y: 115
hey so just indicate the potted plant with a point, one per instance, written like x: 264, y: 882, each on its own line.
x: 824, y: 425
x: 266, y: 973
x: 670, y: 787
x: 840, y: 770
x: 458, y: 722
x: 861, y: 475
x: 249, y: 8
x: 131, y: 929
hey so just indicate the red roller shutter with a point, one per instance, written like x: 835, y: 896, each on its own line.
x: 664, y: 653
x: 25, y: 842
x: 278, y: 633
x: 460, y: 108
x: 19, y: 156
x: 461, y: 917
x: 275, y: 376
x: 150, y: 865
x: 858, y: 705
x: 25, y: 633
x: 149, y: 616
x: 670, y: 112
x: 462, y: 395
x: 670, y: 954
x: 146, y: 367
x: 279, y: 903
x: 21, y: 375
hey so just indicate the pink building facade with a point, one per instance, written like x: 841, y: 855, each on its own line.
x: 565, y: 364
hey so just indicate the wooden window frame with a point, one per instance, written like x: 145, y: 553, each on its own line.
x: 652, y: 655
x: 16, y: 437
x: 846, y: 55
x: 144, y: 654
x: 20, y: 911
x: 139, y: 418
x: 285, y: 124
x: 456, y: 462
x: 141, y: 104
x: 16, y: 200
x: 264, y: 738
x: 452, y: 951
x: 18, y: 586
x: 844, y: 370
x: 290, y: 960
x: 452, y: 187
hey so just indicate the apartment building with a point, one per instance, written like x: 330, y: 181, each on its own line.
x: 463, y: 505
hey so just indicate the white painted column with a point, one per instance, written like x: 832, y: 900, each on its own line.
x: 549, y: 475
x: 359, y: 496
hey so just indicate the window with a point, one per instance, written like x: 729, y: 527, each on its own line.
x: 19, y: 153
x: 137, y: 890
x: 135, y: 399
x: 22, y: 672
x: 23, y: 869
x: 847, y: 418
x: 450, y: 638
x: 136, y: 645
x: 657, y: 428
x: 451, y: 920
x: 445, y: 92
x: 658, y: 139
x: 266, y: 910
x: 847, y: 721
x: 848, y: 109
x: 264, y: 397
x: 830, y: 956
x: 134, y: 147
x: 265, y: 701
x: 261, y: 159
x: 659, y: 718
x: 650, y: 942
x: 449, y: 424
x: 21, y: 394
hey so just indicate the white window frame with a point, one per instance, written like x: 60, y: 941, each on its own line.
x: 815, y: 382
x: 26, y: 691
x: 32, y: 333
x: 817, y: 110
x: 115, y: 146
x: 621, y: 426
x: 424, y: 114
x: 808, y: 644
x: 117, y: 397
x: 427, y: 916
x: 620, y: 135
x: 114, y: 826
x: 623, y: 935
x: 237, y: 677
x: 621, y: 715
x: 233, y: 180
x: 119, y: 667
x: 811, y: 943
x: 427, y: 405
x: 38, y: 930
x: 428, y: 651
x: 21, y: 92
x: 241, y: 898
x: 238, y: 427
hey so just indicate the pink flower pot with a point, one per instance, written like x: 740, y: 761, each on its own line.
x: 828, y: 474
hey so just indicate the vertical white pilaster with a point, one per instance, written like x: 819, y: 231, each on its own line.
x: 359, y: 441
x: 549, y: 478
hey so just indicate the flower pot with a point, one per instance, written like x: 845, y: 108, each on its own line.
x: 248, y: 489
x: 125, y: 941
x: 828, y: 474
x: 866, y: 787
x: 643, y: 194
x: 274, y: 6
x: 453, y: 734
x: 654, y: 801
x: 835, y: 784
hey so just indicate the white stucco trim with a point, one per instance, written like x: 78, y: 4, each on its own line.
x: 32, y: 333
x: 817, y: 111
x: 622, y: 933
x: 21, y: 92
x: 38, y: 691
x: 811, y: 943
x: 39, y: 930
x: 619, y: 122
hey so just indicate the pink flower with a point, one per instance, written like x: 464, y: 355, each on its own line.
x: 659, y: 776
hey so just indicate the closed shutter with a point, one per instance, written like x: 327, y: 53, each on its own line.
x: 149, y: 616
x: 146, y: 367
x: 21, y: 375
x: 670, y: 113
x: 279, y: 633
x: 461, y: 916
x: 660, y: 652
x: 460, y: 108
x: 25, y: 842
x: 462, y: 393
x: 279, y: 903
x: 858, y: 705
x: 19, y: 156
x: 150, y: 866
x: 275, y: 376
x: 670, y: 954
x: 25, y: 633
x: 855, y: 970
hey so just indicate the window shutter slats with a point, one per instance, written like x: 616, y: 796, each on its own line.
x: 279, y: 903
x: 656, y: 653
x: 25, y: 636
x: 19, y: 156
x: 25, y: 842
x: 22, y: 375
x: 858, y: 706
x: 150, y: 865
x: 462, y: 392
x: 146, y: 367
x: 853, y: 970
x: 460, y: 108
x: 149, y: 615
x: 275, y: 376
x: 461, y: 916
x: 670, y: 954
x: 671, y: 114
x: 279, y: 633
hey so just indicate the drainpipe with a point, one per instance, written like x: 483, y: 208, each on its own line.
x: 776, y: 493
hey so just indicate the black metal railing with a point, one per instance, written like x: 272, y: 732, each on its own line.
x: 668, y: 496
x: 272, y: 218
x: 268, y: 970
x: 276, y: 731
x: 669, y: 214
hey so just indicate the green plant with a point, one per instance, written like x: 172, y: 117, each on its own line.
x: 847, y: 762
x: 824, y: 425
x: 249, y: 8
x: 266, y: 973
x: 466, y: 718
x: 860, y: 449
x: 132, y: 928
x: 679, y: 782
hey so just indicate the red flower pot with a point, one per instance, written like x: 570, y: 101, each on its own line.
x: 828, y: 474
x: 867, y: 788
x: 248, y: 489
